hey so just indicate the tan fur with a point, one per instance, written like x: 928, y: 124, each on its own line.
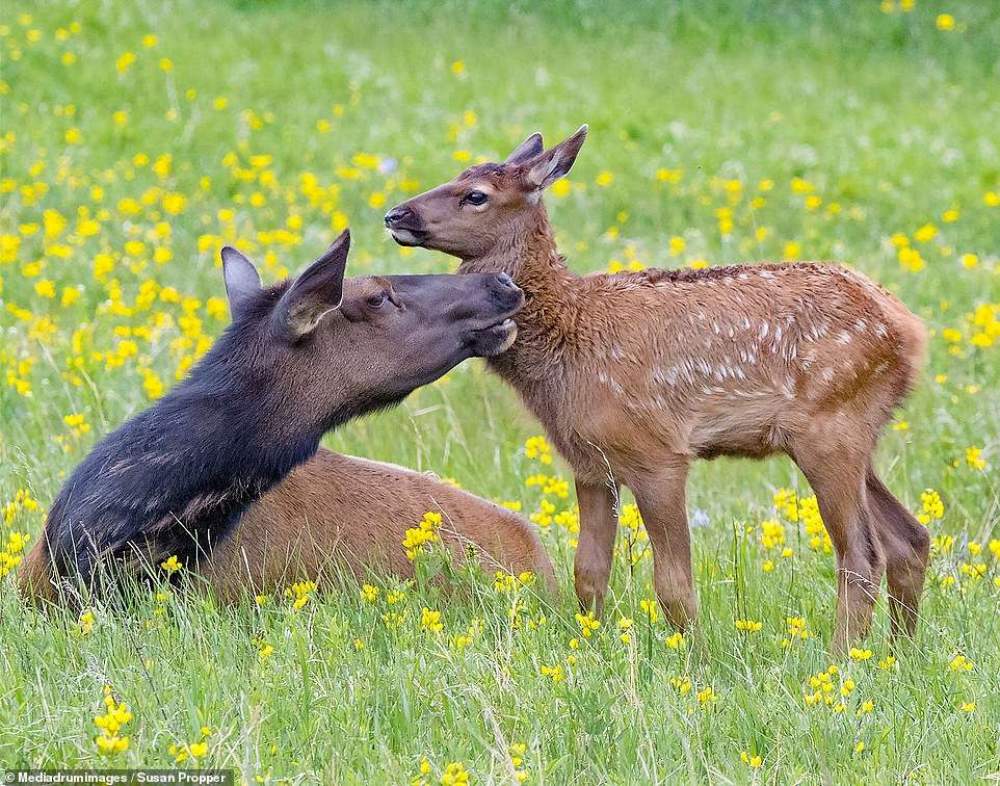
x: 34, y: 574
x: 336, y: 514
x: 634, y: 375
x: 340, y: 513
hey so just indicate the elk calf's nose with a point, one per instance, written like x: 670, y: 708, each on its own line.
x: 396, y: 215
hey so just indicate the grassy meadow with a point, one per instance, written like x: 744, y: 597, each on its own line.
x: 137, y: 137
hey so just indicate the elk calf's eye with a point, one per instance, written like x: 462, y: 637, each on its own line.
x: 475, y: 198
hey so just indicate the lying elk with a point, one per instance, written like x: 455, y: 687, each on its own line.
x: 338, y: 513
x: 635, y: 374
x: 299, y: 359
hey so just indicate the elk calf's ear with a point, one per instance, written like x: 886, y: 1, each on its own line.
x: 316, y: 292
x: 529, y: 148
x: 242, y: 280
x: 543, y: 170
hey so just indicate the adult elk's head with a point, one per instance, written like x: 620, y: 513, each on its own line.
x: 333, y: 347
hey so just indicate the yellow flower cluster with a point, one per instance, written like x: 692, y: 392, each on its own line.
x: 633, y: 547
x: 430, y: 620
x: 507, y: 582
x: 301, y: 592
x: 13, y: 542
x: 823, y: 690
x: 198, y: 749
x: 426, y: 532
x: 798, y: 630
x: 979, y: 329
x: 538, y: 449
x: 111, y: 722
x: 455, y: 774
x: 932, y: 508
x: 804, y: 510
x: 588, y: 624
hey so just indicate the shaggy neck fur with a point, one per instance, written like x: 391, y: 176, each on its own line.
x: 549, y: 320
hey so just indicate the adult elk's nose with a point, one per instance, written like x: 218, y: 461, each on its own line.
x: 505, y: 281
x: 507, y: 293
x: 399, y: 215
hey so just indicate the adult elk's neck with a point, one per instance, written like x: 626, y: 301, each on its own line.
x: 175, y: 478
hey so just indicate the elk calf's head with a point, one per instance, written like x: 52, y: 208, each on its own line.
x: 488, y: 205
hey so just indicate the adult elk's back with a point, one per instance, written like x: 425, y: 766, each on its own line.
x: 634, y: 375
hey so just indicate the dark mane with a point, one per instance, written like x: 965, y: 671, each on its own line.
x: 176, y: 477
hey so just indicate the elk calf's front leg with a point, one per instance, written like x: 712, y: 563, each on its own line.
x: 595, y: 549
x: 661, y: 501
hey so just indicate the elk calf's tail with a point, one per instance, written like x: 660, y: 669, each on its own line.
x: 912, y: 341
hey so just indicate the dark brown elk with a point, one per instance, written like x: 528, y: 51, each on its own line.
x: 299, y: 359
x: 634, y: 375
x: 338, y: 514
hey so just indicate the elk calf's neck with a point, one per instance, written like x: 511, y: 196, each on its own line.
x: 299, y: 358
x: 634, y: 375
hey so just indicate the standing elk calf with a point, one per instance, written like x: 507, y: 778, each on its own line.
x: 634, y: 375
x: 299, y: 359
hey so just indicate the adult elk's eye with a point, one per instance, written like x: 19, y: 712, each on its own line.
x: 475, y: 198
x: 377, y: 301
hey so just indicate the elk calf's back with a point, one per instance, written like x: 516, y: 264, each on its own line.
x: 299, y: 358
x: 634, y: 375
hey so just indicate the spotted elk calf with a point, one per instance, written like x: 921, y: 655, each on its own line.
x: 634, y: 375
x: 299, y: 359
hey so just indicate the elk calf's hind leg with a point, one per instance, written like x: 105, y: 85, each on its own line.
x: 838, y: 479
x: 661, y: 501
x: 907, y: 547
x: 595, y: 548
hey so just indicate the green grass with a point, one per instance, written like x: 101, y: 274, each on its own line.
x: 889, y: 121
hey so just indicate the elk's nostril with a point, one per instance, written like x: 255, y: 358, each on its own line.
x: 396, y: 215
x: 506, y: 293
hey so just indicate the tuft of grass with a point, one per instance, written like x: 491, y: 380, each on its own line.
x: 720, y: 132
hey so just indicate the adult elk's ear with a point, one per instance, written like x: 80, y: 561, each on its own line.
x: 316, y: 292
x: 242, y: 280
x: 543, y: 170
x: 529, y: 148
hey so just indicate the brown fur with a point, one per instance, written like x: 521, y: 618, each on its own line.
x: 634, y: 375
x: 336, y: 514
x: 340, y: 513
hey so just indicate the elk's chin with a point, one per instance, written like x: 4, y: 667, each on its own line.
x: 495, y: 340
x: 408, y: 237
